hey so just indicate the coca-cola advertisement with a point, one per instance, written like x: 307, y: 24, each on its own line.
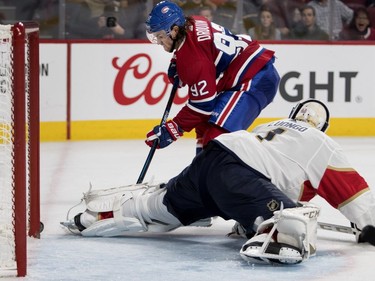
x: 126, y: 81
x: 119, y: 90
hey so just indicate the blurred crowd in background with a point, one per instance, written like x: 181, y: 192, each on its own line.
x: 329, y: 20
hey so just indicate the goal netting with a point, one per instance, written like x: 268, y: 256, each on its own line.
x: 19, y: 144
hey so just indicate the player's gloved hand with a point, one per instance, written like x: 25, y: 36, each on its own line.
x: 166, y: 134
x: 172, y: 74
x: 172, y: 71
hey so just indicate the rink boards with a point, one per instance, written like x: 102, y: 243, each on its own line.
x: 101, y: 90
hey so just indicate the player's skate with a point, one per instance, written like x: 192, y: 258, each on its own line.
x: 289, y: 237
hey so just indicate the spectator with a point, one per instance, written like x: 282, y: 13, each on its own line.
x: 193, y: 7
x: 98, y: 19
x: 286, y: 14
x: 360, y: 27
x: 46, y: 12
x: 206, y: 12
x: 266, y: 28
x: 330, y: 16
x: 225, y: 12
x: 86, y: 19
x: 250, y: 13
x: 308, y: 29
x: 131, y: 16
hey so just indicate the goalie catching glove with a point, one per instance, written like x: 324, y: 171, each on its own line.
x: 365, y: 235
x: 164, y: 134
x: 289, y: 237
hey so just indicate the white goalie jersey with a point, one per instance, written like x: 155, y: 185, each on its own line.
x: 303, y: 161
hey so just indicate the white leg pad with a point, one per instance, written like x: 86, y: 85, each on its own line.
x: 136, y: 208
x: 119, y: 224
x: 291, y: 239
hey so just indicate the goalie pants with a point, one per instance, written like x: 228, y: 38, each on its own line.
x: 218, y: 183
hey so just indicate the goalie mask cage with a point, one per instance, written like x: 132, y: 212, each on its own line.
x: 19, y: 144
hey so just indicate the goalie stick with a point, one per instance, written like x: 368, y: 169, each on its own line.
x: 367, y: 234
x: 335, y: 227
x: 156, y: 142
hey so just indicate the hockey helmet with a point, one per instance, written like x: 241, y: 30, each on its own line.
x: 164, y: 16
x: 313, y: 112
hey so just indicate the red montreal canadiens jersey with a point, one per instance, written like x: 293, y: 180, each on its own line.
x: 303, y: 161
x: 210, y: 60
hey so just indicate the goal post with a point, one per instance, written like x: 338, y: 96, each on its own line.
x: 19, y: 144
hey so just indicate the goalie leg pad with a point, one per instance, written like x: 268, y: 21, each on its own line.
x: 115, y: 225
x: 115, y: 211
x: 288, y: 237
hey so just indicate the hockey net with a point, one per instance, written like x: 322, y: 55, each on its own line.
x: 19, y: 144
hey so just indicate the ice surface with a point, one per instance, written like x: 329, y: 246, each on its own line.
x: 188, y: 253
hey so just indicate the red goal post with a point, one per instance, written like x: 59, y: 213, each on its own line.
x: 19, y: 144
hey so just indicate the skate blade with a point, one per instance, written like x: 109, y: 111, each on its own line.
x: 70, y: 226
x: 284, y: 256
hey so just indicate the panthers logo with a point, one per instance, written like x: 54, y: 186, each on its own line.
x: 273, y: 205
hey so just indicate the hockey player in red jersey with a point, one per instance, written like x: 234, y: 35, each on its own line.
x: 257, y: 179
x: 230, y: 78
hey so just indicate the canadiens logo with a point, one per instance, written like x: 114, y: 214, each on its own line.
x: 165, y: 10
x: 273, y: 205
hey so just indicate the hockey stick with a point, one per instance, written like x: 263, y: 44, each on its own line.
x: 156, y: 142
x: 367, y: 234
x: 335, y: 227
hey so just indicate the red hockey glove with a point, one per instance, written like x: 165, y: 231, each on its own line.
x: 164, y: 134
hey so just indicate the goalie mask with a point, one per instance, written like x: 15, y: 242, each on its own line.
x: 163, y: 17
x: 313, y: 112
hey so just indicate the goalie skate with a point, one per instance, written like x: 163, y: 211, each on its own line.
x: 274, y: 253
x: 71, y: 226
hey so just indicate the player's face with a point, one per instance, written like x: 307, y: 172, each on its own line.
x: 164, y: 40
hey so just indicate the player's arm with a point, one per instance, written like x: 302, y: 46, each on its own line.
x: 346, y: 190
x: 202, y: 97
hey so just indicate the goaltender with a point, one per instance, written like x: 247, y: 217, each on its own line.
x: 263, y: 180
